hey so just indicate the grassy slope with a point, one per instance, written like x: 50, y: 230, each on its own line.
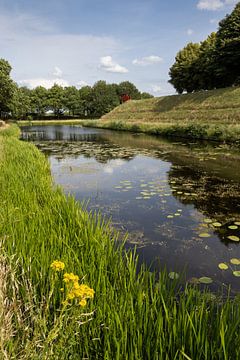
x: 210, y: 115
x: 133, y: 317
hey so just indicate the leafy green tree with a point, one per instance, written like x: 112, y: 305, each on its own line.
x: 39, y: 100
x: 102, y: 99
x: 182, y: 75
x: 228, y: 49
x: 7, y: 86
x: 126, y: 87
x: 21, y: 103
x: 145, y: 95
x: 56, y: 99
x: 71, y: 99
x: 84, y: 96
x: 203, y: 69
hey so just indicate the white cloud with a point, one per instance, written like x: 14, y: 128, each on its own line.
x: 210, y: 4
x: 57, y: 72
x: 214, y: 4
x: 81, y: 84
x: 47, y: 83
x: 156, y: 89
x: 148, y: 60
x: 190, y: 32
x: 107, y: 64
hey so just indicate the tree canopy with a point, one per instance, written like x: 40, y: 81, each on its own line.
x: 213, y: 63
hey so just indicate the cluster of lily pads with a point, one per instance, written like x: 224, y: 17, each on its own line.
x: 224, y: 266
x: 202, y: 280
x: 217, y: 225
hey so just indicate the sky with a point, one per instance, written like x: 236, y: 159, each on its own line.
x: 78, y: 42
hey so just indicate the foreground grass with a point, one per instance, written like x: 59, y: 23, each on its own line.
x: 132, y: 316
x: 209, y: 115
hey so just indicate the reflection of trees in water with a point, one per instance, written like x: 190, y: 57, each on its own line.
x: 216, y: 198
x: 101, y: 152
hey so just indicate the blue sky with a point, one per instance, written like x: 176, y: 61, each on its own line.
x: 78, y: 42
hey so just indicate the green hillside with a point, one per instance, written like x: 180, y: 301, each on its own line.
x: 211, y: 114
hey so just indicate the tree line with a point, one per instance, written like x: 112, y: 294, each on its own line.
x: 91, y: 102
x: 213, y: 63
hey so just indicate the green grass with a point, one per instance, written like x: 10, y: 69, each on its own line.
x: 49, y: 122
x: 210, y: 115
x: 132, y: 316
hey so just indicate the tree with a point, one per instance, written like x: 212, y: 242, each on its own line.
x: 126, y: 87
x: 145, y: 95
x: 21, y: 103
x: 84, y: 95
x: 71, y: 99
x: 205, y: 65
x: 39, y: 100
x: 228, y: 49
x: 7, y: 86
x: 102, y: 99
x: 182, y: 75
x: 56, y: 99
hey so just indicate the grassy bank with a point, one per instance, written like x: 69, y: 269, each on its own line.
x: 210, y: 115
x: 49, y: 122
x: 131, y: 316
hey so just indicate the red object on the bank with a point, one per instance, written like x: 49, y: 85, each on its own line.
x: 125, y: 97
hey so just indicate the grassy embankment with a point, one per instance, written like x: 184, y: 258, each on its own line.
x: 132, y: 316
x: 210, y: 115
x: 50, y: 122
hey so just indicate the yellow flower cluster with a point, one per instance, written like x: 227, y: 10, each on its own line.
x: 57, y: 265
x: 75, y: 291
x: 79, y: 292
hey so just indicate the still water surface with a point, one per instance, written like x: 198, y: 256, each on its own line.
x: 179, y: 201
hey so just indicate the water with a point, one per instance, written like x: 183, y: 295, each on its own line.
x: 175, y: 199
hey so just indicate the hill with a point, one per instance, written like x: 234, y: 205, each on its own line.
x: 213, y: 115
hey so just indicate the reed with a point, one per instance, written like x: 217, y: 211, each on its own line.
x: 133, y: 315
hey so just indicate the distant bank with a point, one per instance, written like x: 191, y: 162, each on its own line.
x: 210, y: 115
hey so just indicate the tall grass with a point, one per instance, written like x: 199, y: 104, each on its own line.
x: 209, y: 115
x: 134, y: 315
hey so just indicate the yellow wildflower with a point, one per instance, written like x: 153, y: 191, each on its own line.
x: 57, y: 265
x: 83, y: 302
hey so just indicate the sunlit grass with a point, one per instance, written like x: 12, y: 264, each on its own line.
x: 213, y: 115
x: 131, y: 316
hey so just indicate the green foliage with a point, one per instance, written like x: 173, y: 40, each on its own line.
x: 39, y: 100
x: 181, y: 73
x: 228, y: 49
x: 7, y: 86
x: 134, y: 314
x: 214, y: 63
x: 56, y: 99
x: 71, y: 99
x: 145, y: 95
x: 126, y: 87
x: 102, y: 99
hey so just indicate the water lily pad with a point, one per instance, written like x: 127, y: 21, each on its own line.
x: 217, y: 224
x: 223, y: 266
x: 177, y: 214
x: 237, y: 223
x: 173, y: 275
x: 235, y: 261
x: 233, y: 227
x: 170, y: 216
x: 204, y: 235
x: 179, y: 192
x: 233, y: 238
x: 236, y: 273
x: 205, y: 280
x: 208, y: 221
